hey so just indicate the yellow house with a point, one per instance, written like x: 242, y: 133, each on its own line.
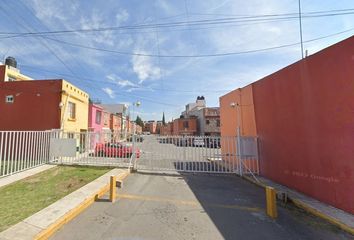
x: 74, y: 108
x: 10, y: 73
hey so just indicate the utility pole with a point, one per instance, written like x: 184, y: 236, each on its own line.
x: 300, y: 23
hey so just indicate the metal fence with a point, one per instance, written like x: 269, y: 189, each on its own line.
x: 21, y: 150
x: 92, y: 148
x: 163, y: 153
x: 211, y: 154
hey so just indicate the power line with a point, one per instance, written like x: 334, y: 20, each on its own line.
x: 45, y: 44
x: 198, y: 55
x: 218, y: 21
x: 34, y: 69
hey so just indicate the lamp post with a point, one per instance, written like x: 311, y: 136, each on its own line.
x: 135, y: 104
x: 238, y: 132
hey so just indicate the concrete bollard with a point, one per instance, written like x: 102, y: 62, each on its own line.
x: 113, y: 189
x: 271, y: 202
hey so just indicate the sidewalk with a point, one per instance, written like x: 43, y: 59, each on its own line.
x: 6, y: 180
x: 43, y: 223
x: 334, y: 215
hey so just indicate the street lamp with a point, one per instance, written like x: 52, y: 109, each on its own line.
x: 238, y: 153
x: 135, y: 104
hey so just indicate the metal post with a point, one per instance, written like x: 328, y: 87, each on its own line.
x: 300, y: 23
x: 113, y: 189
x: 271, y: 202
x: 239, y: 155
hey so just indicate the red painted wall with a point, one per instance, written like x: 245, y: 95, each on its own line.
x: 305, y: 122
x: 2, y: 72
x: 35, y: 107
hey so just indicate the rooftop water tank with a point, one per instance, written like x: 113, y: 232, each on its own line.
x: 11, y: 61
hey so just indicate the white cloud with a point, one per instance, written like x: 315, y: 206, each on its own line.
x: 122, y: 16
x: 126, y: 83
x: 109, y: 92
x: 145, y: 68
x: 120, y: 82
x: 98, y: 21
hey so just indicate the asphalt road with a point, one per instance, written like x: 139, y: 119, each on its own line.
x: 192, y: 207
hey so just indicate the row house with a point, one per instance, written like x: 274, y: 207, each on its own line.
x: 167, y: 129
x: 150, y: 126
x: 197, y: 119
x: 185, y: 126
x: 103, y: 122
x: 51, y: 104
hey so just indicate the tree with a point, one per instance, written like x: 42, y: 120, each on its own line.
x: 139, y: 121
x: 163, y: 119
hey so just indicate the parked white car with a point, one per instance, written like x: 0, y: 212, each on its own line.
x: 198, y: 142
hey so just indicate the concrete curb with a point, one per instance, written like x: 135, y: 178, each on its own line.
x: 46, y: 233
x: 46, y: 222
x: 310, y: 209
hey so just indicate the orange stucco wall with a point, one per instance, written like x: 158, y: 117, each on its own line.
x: 304, y: 115
x: 239, y: 101
x: 178, y: 126
x: 228, y: 114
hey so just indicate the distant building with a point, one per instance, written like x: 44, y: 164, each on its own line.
x: 150, y: 126
x: 167, y: 129
x: 208, y: 118
x: 122, y: 111
x: 10, y: 73
x: 208, y: 121
x: 159, y: 125
x: 190, y: 107
x: 185, y: 126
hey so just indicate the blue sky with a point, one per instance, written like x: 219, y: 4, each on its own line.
x: 162, y: 83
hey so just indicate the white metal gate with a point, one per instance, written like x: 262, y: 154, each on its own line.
x: 210, y: 154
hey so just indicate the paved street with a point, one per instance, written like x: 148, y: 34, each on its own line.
x: 192, y: 207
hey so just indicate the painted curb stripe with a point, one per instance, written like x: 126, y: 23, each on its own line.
x: 49, y: 231
x: 311, y: 210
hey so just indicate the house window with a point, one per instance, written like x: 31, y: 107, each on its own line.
x: 98, y: 117
x: 207, y: 122
x: 186, y: 124
x: 71, y: 110
x: 9, y: 99
x: 218, y: 123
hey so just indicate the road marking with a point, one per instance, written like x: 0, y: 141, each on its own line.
x: 186, y: 202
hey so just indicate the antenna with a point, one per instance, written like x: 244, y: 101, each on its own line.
x: 300, y: 22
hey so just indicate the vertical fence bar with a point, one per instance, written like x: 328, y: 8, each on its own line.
x: 42, y: 148
x: 22, y: 150
x: 14, y: 167
x: 1, y: 152
x: 6, y: 153
x: 12, y: 152
x: 37, y: 148
x: 32, y: 149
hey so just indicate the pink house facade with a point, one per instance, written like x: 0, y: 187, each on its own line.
x: 95, y: 124
x: 95, y: 121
